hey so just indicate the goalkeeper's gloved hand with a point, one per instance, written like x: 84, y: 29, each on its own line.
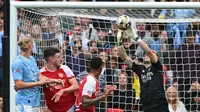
x: 132, y: 34
x: 120, y: 34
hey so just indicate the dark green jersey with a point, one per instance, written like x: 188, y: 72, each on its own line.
x: 151, y: 84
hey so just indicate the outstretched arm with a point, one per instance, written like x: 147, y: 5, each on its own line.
x: 124, y: 56
x: 122, y: 51
x: 152, y: 55
x: 87, y: 102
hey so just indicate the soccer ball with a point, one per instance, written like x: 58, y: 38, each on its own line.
x: 123, y: 22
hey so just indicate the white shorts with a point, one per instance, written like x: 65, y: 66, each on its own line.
x: 25, y: 108
x: 71, y: 109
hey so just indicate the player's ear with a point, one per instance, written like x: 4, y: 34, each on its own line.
x: 51, y: 59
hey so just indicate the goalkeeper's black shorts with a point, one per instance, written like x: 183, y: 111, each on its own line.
x: 160, y: 108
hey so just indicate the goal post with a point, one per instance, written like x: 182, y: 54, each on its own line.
x: 138, y: 11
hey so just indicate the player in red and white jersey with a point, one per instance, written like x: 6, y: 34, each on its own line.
x: 58, y: 98
x: 88, y: 89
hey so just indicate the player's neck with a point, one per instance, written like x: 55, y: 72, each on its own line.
x: 51, y: 67
x: 147, y: 65
x: 95, y: 74
x: 25, y: 54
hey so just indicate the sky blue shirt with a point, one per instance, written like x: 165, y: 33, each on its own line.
x: 26, y: 70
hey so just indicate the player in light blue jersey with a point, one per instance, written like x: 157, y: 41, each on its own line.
x: 28, y: 78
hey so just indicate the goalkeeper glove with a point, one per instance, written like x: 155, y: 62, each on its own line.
x: 132, y: 34
x: 120, y: 35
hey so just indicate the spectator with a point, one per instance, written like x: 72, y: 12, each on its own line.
x: 175, y: 105
x: 123, y: 98
x: 165, y: 47
x: 156, y: 45
x: 178, y: 28
x: 193, y: 97
x: 102, y: 78
x: 55, y: 25
x: 114, y: 51
x: 45, y: 25
x: 93, y: 50
x: 25, y: 26
x: 1, y: 102
x: 36, y: 33
x: 75, y: 59
x: 102, y: 39
x: 59, y: 98
x: 187, y: 64
x: 112, y: 71
x: 77, y: 31
x: 80, y: 76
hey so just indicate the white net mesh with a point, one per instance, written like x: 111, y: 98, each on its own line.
x: 84, y: 33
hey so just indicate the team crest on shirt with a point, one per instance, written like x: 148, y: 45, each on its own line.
x: 60, y: 75
x: 89, y: 92
x: 16, y: 70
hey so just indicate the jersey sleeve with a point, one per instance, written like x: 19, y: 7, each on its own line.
x: 68, y: 71
x: 137, y: 68
x: 158, y: 65
x: 17, y: 71
x: 89, y: 87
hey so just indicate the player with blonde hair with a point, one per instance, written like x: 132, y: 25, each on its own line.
x: 27, y: 78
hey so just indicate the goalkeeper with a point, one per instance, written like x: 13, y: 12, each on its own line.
x: 150, y: 72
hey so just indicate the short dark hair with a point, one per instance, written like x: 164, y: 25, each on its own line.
x: 50, y: 51
x: 95, y: 62
x: 191, y: 33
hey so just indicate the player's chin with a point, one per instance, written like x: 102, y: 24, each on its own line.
x: 58, y: 66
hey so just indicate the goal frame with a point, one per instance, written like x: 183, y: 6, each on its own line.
x: 14, y: 5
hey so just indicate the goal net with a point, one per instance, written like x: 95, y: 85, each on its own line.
x: 84, y: 33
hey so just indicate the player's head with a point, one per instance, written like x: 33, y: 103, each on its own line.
x: 53, y: 55
x: 26, y: 44
x: 147, y: 60
x: 96, y: 64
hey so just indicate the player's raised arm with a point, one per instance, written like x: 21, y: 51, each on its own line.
x: 152, y: 55
x: 122, y: 23
x: 124, y: 56
x: 132, y: 34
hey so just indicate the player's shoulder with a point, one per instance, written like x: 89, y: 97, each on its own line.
x: 67, y: 70
x: 17, y: 60
x: 89, y: 77
x: 65, y: 67
x: 32, y: 58
x: 43, y: 69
